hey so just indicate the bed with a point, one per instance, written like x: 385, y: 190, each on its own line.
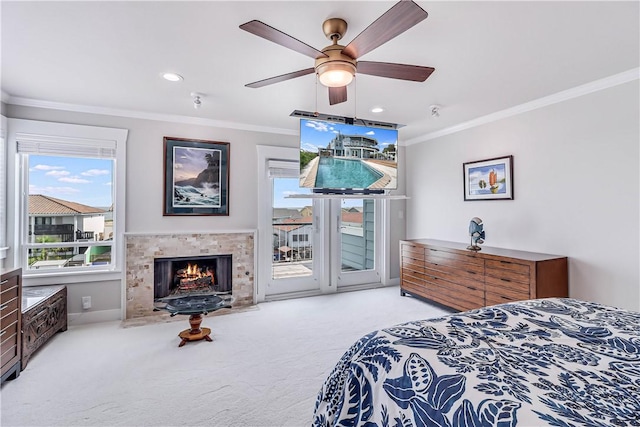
x: 557, y: 361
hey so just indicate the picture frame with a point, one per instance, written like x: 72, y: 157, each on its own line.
x: 196, y: 177
x: 489, y: 179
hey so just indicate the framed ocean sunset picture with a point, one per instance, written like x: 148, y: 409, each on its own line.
x: 196, y: 177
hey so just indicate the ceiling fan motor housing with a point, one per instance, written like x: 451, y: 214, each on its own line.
x: 335, y: 60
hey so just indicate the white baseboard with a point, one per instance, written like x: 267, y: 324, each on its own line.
x: 393, y: 282
x: 94, y: 316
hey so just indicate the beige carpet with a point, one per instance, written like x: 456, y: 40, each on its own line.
x: 263, y: 368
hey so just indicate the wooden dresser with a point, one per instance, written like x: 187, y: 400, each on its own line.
x: 44, y: 313
x: 450, y: 274
x: 10, y: 312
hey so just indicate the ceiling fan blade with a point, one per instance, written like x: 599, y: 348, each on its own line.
x: 337, y: 95
x: 414, y: 73
x: 281, y: 78
x: 404, y: 15
x: 265, y: 31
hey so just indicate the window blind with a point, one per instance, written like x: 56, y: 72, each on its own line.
x: 283, y: 169
x: 36, y: 144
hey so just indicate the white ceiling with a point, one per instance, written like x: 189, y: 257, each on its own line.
x: 488, y: 56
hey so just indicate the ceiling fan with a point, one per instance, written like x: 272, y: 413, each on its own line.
x: 336, y: 65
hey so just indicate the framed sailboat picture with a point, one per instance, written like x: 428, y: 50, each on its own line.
x: 490, y: 179
x: 196, y: 177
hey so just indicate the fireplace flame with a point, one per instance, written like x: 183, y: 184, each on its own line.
x: 193, y: 271
x: 193, y: 277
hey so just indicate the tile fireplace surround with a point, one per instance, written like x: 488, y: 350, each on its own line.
x: 142, y: 249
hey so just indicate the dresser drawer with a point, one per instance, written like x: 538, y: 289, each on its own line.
x: 511, y: 294
x: 412, y: 264
x: 9, y: 301
x: 452, y: 258
x: 508, y: 265
x: 453, y: 295
x: 11, y: 282
x: 412, y: 251
x: 8, y: 354
x: 452, y: 274
x: 498, y: 284
x: 9, y: 317
x: 9, y: 337
x: 413, y: 276
x: 493, y: 299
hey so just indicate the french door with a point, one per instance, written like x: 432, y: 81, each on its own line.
x: 313, y: 245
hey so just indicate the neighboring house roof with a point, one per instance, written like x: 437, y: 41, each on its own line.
x: 352, y: 217
x: 45, y: 205
x: 282, y: 213
x: 295, y: 224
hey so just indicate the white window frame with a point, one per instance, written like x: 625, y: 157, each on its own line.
x: 3, y: 190
x: 17, y: 195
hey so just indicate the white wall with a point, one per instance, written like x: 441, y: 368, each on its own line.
x: 145, y: 168
x: 145, y: 189
x: 576, y: 187
x: 144, y: 199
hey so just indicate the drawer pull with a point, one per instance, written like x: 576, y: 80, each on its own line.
x: 505, y: 280
x: 471, y: 272
x: 505, y: 262
x: 2, y: 333
x: 4, y: 281
x: 3, y: 306
x: 434, y: 250
x: 472, y: 288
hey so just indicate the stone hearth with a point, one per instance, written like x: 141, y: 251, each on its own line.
x: 143, y: 249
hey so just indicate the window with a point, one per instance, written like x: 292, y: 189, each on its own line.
x: 3, y: 192
x: 70, y: 215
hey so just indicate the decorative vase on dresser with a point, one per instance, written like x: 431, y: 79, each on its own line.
x: 449, y: 274
x: 11, y: 319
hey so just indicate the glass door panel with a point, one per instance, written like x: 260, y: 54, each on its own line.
x: 356, y: 239
x: 292, y: 231
x: 295, y: 246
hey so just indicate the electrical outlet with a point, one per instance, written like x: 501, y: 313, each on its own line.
x: 86, y: 303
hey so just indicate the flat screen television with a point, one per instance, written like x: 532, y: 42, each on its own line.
x: 338, y: 157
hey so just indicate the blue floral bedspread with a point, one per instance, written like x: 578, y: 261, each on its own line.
x: 557, y: 362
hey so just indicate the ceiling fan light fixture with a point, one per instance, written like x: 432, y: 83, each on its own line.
x: 336, y: 73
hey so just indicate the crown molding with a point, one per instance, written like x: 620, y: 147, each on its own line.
x: 173, y: 118
x: 565, y: 95
x: 585, y: 89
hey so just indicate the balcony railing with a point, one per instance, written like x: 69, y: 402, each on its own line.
x: 61, y: 233
x: 292, y: 241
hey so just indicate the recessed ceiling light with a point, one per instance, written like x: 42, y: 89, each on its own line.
x: 172, y: 77
x: 377, y: 110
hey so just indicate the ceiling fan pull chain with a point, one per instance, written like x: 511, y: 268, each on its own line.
x: 316, y: 108
x: 355, y: 97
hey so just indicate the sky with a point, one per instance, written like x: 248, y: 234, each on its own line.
x: 189, y: 162
x: 318, y: 133
x: 75, y: 179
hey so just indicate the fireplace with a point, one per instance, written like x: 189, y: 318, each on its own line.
x: 144, y: 248
x: 179, y: 276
